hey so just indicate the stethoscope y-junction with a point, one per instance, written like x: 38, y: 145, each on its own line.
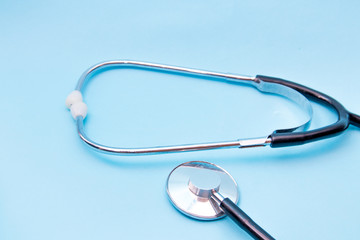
x: 208, y: 186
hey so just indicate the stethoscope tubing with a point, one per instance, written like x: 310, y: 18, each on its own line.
x: 345, y: 118
x: 279, y: 138
x: 236, y: 214
x: 244, y: 221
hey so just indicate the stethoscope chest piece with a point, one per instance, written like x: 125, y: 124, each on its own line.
x: 191, y: 186
x: 205, y: 191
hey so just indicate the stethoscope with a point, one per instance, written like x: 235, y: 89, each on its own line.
x: 218, y: 193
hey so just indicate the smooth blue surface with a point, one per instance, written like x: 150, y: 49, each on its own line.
x: 53, y: 187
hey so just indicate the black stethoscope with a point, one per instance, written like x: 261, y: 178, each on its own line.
x: 204, y: 183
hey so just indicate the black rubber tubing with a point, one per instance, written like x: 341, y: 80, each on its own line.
x: 244, y: 221
x: 297, y: 138
x: 354, y: 119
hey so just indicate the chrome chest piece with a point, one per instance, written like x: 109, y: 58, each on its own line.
x: 191, y: 185
x: 204, y: 191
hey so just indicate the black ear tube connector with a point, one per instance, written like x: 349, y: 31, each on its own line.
x: 345, y: 118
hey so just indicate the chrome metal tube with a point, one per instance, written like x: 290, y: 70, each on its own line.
x: 153, y: 66
x: 258, y: 142
x: 244, y: 143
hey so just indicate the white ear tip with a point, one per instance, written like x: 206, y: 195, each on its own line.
x: 74, y: 97
x: 78, y: 109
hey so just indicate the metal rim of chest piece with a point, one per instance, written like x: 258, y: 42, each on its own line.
x: 190, y: 185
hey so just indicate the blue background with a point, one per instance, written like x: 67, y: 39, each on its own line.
x: 54, y: 187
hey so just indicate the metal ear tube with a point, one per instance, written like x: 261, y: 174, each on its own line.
x: 279, y: 138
